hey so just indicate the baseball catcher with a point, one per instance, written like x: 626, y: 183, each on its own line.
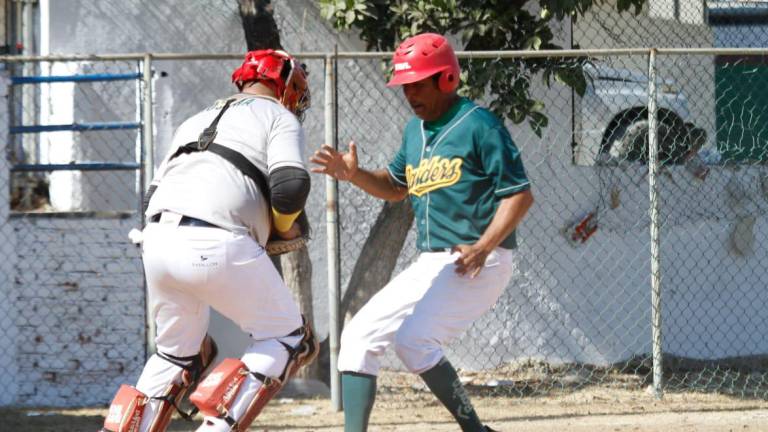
x: 234, y: 179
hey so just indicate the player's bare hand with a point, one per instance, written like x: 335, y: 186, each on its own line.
x: 471, y: 259
x: 341, y: 166
x: 293, y: 232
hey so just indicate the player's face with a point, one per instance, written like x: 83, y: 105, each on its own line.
x: 426, y: 99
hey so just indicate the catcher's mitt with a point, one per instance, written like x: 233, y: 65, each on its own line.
x: 277, y: 246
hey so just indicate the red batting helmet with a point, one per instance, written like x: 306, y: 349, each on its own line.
x: 422, y: 56
x: 279, y: 71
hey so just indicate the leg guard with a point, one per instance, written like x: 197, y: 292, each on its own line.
x: 193, y: 369
x: 125, y: 411
x: 216, y: 393
x: 128, y: 409
x: 303, y: 354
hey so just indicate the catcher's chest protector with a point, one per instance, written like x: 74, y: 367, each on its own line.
x: 126, y: 410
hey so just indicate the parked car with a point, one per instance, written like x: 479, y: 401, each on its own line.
x: 611, y: 119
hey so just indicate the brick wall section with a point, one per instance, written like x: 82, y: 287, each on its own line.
x: 79, y: 296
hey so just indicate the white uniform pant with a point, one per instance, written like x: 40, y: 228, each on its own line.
x: 420, y: 310
x: 189, y: 269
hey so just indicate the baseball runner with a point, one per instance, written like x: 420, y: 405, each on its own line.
x: 469, y: 191
x: 235, y: 173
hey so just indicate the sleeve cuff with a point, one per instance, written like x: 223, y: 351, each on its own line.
x: 511, y: 190
x: 283, y: 222
x: 295, y: 164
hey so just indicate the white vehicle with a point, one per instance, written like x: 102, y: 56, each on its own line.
x: 611, y: 119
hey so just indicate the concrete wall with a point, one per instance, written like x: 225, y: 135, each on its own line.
x: 78, y: 296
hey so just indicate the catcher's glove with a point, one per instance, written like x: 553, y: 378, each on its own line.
x: 278, y: 246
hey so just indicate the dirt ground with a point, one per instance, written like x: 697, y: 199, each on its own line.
x: 586, y: 410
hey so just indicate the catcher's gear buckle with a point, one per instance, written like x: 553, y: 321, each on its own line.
x: 205, y: 139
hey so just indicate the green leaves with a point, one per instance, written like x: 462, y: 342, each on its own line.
x: 482, y: 25
x: 572, y: 76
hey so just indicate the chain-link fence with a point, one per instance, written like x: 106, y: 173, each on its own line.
x: 577, y: 313
x: 713, y: 233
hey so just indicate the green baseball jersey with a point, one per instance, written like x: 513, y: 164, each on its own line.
x: 457, y: 169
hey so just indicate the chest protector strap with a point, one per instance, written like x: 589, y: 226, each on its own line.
x: 205, y: 143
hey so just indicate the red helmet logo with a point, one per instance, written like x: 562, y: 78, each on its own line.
x: 279, y: 71
x: 422, y: 56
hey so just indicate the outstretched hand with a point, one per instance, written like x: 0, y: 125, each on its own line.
x: 341, y: 166
x: 471, y: 259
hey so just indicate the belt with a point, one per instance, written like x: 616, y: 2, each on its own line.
x: 187, y: 221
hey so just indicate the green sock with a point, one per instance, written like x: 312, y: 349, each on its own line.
x: 358, y: 391
x: 444, y: 383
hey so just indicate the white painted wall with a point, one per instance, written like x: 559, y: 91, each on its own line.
x: 685, y: 11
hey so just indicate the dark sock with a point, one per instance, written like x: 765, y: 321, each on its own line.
x: 358, y: 391
x: 444, y: 383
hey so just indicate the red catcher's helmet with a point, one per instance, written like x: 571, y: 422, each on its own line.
x: 422, y: 56
x: 279, y: 71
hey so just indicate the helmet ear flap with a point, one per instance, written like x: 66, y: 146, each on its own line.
x: 448, y: 81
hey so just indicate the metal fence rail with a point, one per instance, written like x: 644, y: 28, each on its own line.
x: 641, y: 263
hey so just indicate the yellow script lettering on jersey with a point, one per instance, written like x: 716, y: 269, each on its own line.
x: 431, y: 174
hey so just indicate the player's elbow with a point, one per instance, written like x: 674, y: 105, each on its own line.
x: 526, y: 199
x: 289, y: 189
x: 527, y: 196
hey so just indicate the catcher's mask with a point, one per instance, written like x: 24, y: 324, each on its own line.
x: 279, y: 71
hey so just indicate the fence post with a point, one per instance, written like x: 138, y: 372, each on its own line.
x: 147, y: 171
x: 147, y: 120
x: 653, y: 188
x: 332, y: 231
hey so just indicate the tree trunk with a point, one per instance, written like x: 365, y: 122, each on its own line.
x: 261, y: 32
x: 297, y: 274
x: 378, y: 257
x: 259, y: 25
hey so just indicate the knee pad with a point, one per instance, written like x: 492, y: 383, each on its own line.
x: 129, y: 406
x: 304, y: 353
x: 216, y: 394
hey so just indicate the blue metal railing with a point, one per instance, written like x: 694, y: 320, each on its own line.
x: 77, y: 166
x: 16, y: 80
x: 79, y: 127
x: 76, y: 127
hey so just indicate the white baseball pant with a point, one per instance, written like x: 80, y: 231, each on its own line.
x: 189, y: 269
x: 422, y: 309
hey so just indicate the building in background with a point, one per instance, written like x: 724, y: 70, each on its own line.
x: 740, y: 80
